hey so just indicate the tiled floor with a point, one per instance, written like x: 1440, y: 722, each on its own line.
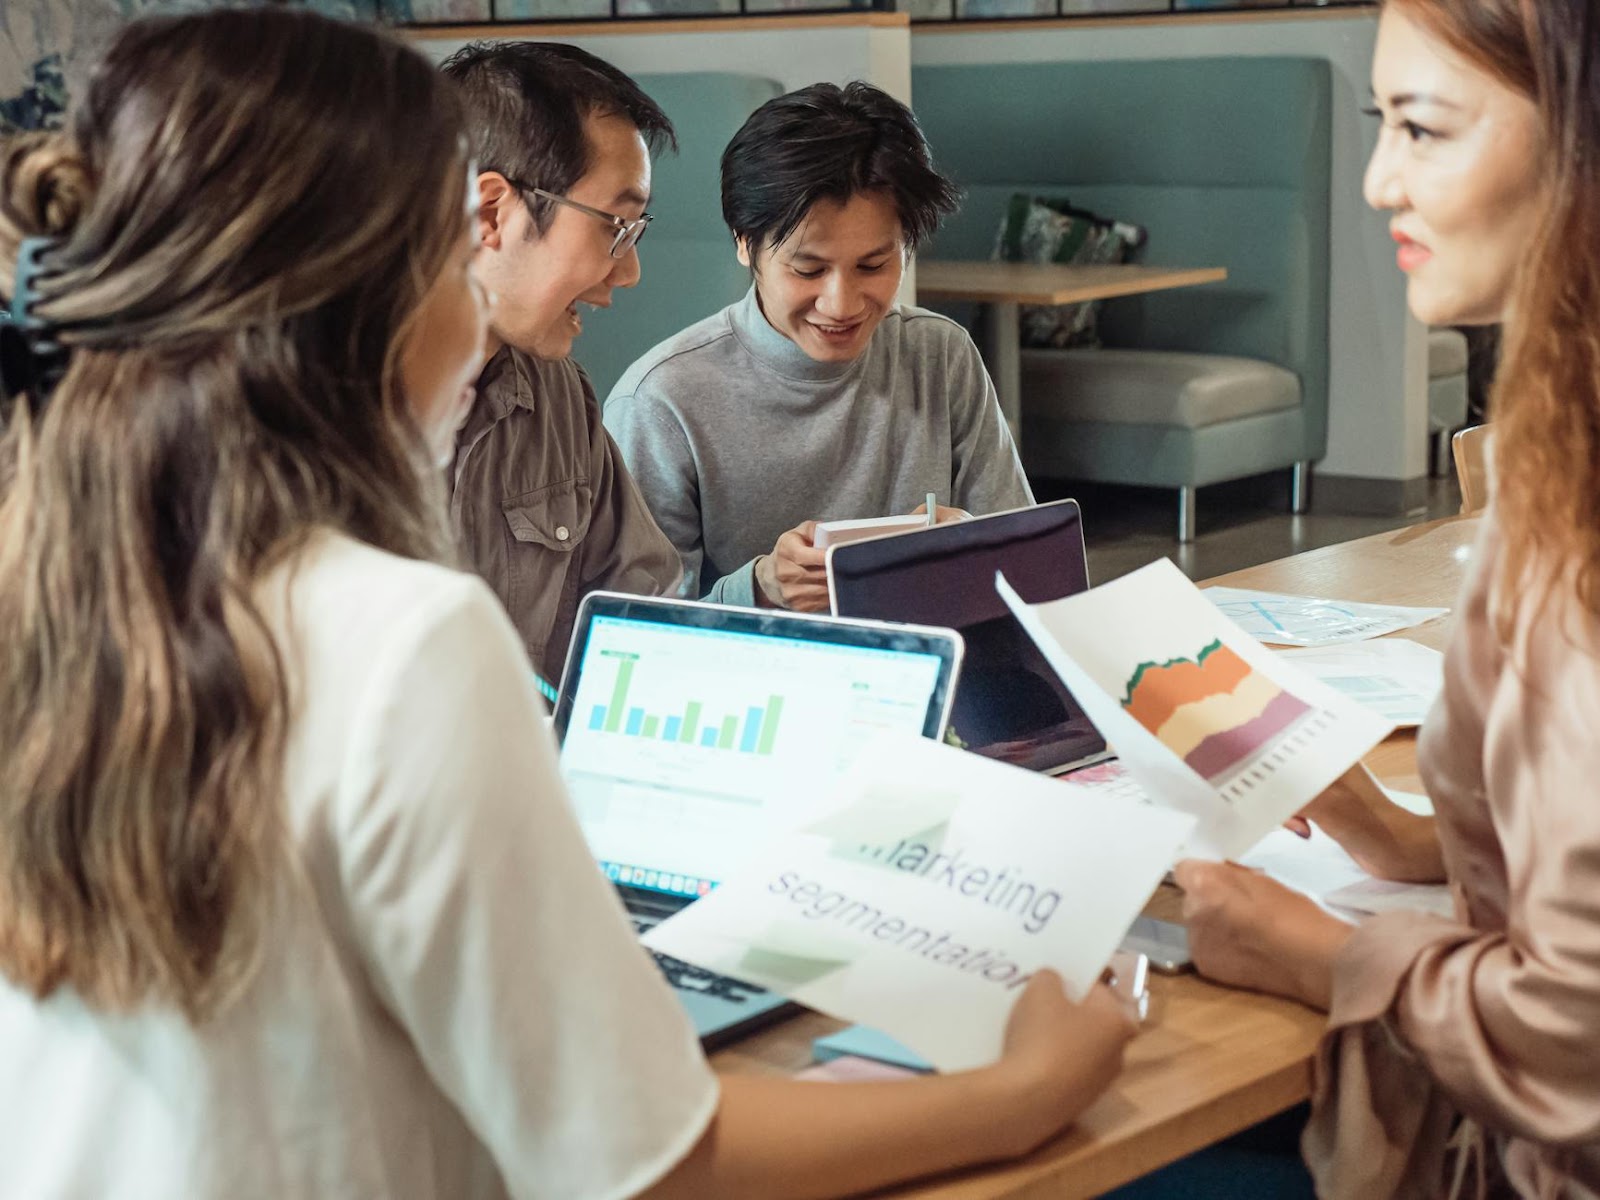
x: 1240, y: 524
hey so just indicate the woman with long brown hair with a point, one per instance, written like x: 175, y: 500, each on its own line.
x: 291, y: 900
x: 1482, y: 1031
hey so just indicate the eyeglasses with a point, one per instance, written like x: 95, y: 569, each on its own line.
x: 628, y: 232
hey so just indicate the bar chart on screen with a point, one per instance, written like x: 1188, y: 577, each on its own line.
x: 754, y: 731
x: 685, y: 741
x: 655, y: 699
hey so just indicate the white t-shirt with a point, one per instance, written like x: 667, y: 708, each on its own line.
x: 452, y: 1002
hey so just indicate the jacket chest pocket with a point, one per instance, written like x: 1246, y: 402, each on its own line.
x: 556, y: 517
x: 546, y: 527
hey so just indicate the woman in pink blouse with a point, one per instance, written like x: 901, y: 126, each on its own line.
x: 1478, y: 1035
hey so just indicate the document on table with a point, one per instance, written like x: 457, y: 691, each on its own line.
x: 1397, y: 678
x: 1282, y: 620
x: 1319, y: 867
x: 926, y: 899
x: 1205, y: 718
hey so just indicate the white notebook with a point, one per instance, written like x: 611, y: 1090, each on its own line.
x: 834, y: 533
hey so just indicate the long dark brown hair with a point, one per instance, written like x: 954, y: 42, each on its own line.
x: 1546, y: 399
x: 247, y: 210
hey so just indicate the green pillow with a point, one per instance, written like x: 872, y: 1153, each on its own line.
x: 1052, y: 231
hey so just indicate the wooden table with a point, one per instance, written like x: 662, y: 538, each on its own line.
x: 1212, y: 1061
x: 1004, y: 286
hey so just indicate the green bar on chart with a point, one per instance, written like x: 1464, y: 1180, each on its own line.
x: 650, y: 724
x: 730, y: 727
x: 619, y: 695
x: 691, y: 722
x: 769, y: 725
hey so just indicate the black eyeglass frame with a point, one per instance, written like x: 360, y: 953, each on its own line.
x: 629, y: 233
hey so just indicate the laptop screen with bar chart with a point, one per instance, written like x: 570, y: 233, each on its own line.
x: 689, y: 731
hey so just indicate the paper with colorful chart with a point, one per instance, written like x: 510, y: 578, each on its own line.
x: 1207, y: 720
x: 923, y: 899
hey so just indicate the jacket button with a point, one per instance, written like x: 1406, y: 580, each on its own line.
x: 561, y: 533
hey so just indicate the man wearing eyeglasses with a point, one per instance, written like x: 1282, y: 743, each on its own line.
x: 542, y: 505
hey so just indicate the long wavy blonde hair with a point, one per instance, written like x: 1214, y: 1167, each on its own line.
x: 247, y: 211
x: 1546, y: 399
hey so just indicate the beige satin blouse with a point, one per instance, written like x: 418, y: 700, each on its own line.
x: 1484, y: 1031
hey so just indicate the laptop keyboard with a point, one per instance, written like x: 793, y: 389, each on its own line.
x: 690, y: 978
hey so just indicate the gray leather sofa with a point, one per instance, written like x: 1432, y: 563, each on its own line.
x: 1226, y: 163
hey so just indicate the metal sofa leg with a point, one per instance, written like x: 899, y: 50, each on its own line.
x: 1186, y: 496
x: 1300, y: 489
x: 1439, y: 463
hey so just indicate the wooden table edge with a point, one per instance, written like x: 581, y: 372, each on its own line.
x: 1133, y: 286
x: 1055, y: 1171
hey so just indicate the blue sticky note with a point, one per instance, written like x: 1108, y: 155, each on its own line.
x: 863, y: 1042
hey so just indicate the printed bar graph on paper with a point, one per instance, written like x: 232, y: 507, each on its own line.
x: 650, y: 724
x: 635, y: 720
x: 597, y: 718
x: 619, y: 694
x: 752, y: 730
x: 670, y: 733
x: 769, y: 725
x: 730, y: 727
x: 691, y: 721
x: 708, y: 737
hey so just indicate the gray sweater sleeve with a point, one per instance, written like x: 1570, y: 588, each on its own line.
x: 662, y: 463
x: 988, y: 471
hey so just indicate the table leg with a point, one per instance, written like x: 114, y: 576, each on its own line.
x: 1003, y: 348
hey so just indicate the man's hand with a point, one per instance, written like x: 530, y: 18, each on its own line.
x: 795, y: 574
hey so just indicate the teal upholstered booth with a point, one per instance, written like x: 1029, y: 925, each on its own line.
x: 688, y: 270
x: 1226, y: 162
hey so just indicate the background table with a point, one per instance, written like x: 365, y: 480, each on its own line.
x: 1211, y: 1061
x: 1004, y: 286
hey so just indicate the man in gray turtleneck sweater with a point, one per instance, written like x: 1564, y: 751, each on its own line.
x: 816, y: 397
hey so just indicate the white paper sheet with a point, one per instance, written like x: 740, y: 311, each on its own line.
x: 1207, y: 720
x: 1397, y: 678
x: 1414, y: 802
x: 920, y: 905
x: 1282, y: 620
x: 1319, y: 867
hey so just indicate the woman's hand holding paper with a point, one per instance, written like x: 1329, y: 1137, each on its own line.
x: 1248, y: 930
x: 1060, y: 1054
x: 1385, y: 840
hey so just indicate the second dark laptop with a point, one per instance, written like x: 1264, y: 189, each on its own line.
x: 1011, y: 705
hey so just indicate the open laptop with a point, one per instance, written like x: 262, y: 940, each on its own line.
x: 1011, y: 705
x: 690, y: 731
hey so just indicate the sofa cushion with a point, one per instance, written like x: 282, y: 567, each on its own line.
x: 1155, y: 387
x: 1034, y: 229
x: 1447, y: 353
